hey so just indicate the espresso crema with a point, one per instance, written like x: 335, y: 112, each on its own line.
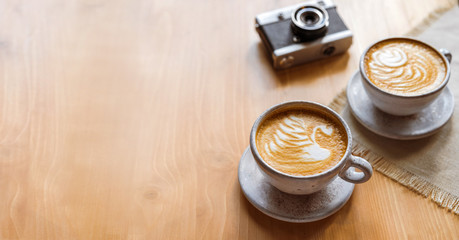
x: 301, y: 142
x: 404, y: 67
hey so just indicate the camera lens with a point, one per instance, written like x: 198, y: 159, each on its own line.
x: 310, y: 17
x: 309, y: 22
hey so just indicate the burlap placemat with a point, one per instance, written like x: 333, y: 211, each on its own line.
x: 429, y: 166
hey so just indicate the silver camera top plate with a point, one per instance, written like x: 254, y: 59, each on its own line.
x: 283, y: 13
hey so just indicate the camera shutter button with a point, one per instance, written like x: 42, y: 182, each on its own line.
x: 286, y: 61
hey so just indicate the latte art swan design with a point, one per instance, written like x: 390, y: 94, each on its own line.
x: 404, y: 68
x: 292, y: 135
x: 301, y: 142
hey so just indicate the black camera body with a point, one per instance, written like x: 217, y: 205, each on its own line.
x: 302, y: 33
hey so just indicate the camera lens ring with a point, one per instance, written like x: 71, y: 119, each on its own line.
x: 309, y: 21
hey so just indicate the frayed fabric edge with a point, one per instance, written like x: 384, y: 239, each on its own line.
x: 404, y: 177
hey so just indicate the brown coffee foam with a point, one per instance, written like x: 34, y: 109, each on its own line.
x: 289, y: 157
x: 423, y: 71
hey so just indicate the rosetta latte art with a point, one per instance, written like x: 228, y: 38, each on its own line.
x: 292, y: 134
x: 406, y: 68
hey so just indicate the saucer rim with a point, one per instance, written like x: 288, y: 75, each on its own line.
x: 270, y: 213
x: 356, y: 76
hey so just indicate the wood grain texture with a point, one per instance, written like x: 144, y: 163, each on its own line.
x: 127, y: 119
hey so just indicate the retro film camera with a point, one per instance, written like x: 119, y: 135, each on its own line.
x: 302, y: 33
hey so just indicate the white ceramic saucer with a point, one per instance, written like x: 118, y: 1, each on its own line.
x: 287, y: 207
x: 422, y: 124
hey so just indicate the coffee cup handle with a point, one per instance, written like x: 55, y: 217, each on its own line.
x: 349, y: 174
x: 447, y: 54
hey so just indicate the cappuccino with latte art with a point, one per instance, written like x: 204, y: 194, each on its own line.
x: 301, y: 142
x: 403, y: 76
x: 404, y: 67
x: 300, y: 147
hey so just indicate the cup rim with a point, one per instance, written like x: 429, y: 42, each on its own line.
x: 431, y: 92
x: 265, y: 114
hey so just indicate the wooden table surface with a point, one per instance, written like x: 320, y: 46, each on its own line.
x: 127, y: 120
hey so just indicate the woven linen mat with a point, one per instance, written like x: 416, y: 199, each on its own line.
x: 429, y: 166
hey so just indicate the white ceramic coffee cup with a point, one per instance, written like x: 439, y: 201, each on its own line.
x: 403, y: 105
x: 311, y: 183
